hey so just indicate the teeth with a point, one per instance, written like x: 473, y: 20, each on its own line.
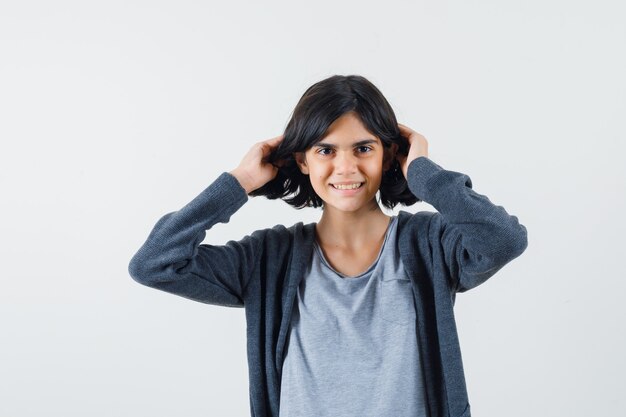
x: 348, y: 186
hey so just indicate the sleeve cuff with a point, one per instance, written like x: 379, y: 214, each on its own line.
x: 225, y: 192
x: 420, y: 171
x: 233, y: 184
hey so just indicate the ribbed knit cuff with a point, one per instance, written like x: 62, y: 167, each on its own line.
x: 420, y: 171
x: 233, y: 184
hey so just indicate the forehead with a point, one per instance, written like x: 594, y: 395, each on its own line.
x: 348, y: 130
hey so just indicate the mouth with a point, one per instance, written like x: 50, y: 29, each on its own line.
x: 352, y: 186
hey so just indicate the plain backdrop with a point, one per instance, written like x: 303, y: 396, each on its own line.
x: 115, y: 113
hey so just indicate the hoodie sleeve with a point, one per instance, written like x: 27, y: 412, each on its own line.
x: 173, y: 260
x: 476, y: 236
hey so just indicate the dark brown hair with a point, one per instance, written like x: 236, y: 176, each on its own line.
x: 320, y: 105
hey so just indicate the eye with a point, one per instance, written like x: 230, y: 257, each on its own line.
x: 364, y: 149
x: 321, y: 151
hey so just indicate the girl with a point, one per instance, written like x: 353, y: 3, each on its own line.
x: 352, y: 315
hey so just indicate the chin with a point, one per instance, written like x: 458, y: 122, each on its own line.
x: 349, y: 207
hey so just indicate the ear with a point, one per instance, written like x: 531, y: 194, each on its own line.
x: 389, y: 156
x: 300, y: 158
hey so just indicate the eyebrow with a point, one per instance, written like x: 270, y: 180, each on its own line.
x: 359, y: 143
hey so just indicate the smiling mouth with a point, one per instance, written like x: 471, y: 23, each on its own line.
x: 348, y: 186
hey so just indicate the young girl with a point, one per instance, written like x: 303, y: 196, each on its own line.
x: 352, y: 315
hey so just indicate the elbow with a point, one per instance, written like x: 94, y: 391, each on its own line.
x: 521, y: 243
x: 139, y: 272
x: 517, y: 243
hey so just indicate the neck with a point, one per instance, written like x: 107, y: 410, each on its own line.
x: 351, y: 229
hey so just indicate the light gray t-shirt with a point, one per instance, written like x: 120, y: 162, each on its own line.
x: 352, y: 347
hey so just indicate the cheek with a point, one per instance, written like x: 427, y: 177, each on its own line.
x: 376, y: 168
x: 320, y: 181
x: 319, y: 172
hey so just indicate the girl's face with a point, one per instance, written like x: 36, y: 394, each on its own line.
x: 345, y: 168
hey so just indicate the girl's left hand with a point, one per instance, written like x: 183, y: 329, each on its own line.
x: 418, y: 146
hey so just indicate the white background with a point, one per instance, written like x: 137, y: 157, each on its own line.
x: 115, y: 113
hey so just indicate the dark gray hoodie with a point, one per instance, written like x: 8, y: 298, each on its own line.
x: 453, y: 250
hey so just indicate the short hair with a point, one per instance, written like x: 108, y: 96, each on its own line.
x: 320, y: 105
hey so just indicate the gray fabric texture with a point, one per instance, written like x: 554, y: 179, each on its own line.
x: 352, y: 349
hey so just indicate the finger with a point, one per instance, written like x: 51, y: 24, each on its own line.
x: 405, y: 131
x: 403, y: 127
x: 269, y: 142
x: 269, y: 145
x: 275, y: 140
x: 272, y: 143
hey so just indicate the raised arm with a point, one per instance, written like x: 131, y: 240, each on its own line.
x: 174, y: 260
x: 477, y: 237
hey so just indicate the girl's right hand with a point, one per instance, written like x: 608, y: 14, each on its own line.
x: 254, y: 171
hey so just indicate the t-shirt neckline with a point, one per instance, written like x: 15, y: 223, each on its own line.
x: 369, y: 269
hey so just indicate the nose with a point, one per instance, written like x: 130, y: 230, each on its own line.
x: 345, y: 163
